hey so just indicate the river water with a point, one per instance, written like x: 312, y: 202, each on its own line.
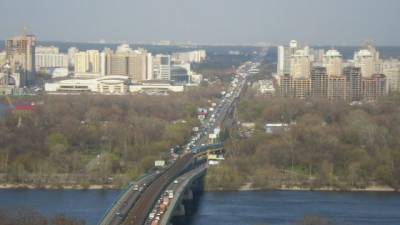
x: 226, y: 208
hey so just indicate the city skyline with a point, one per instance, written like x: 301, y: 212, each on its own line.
x: 205, y: 22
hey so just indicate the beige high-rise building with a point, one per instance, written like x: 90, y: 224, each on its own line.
x: 93, y: 60
x: 87, y: 62
x: 391, y: 69
x: 301, y: 87
x: 337, y: 88
x: 20, y: 52
x: 300, y: 64
x: 118, y: 64
x: 81, y: 63
x: 368, y: 60
x: 137, y: 65
x: 333, y: 62
x: 373, y: 87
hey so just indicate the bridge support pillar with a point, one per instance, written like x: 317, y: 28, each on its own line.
x: 188, y: 195
x: 180, y: 210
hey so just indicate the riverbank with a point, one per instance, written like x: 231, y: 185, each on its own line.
x: 244, y: 188
x: 59, y: 187
x: 248, y: 187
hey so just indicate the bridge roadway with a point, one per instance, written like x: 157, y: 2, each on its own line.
x: 147, y: 199
x: 179, y: 189
x: 136, y: 210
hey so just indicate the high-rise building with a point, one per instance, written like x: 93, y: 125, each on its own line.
x: 373, y: 87
x: 137, y: 68
x: 301, y: 87
x: 368, y: 60
x: 319, y: 82
x: 93, y: 60
x: 118, y: 64
x: 190, y: 57
x: 353, y: 80
x: 47, y: 50
x: 71, y: 56
x: 285, y: 83
x: 50, y: 57
x: 87, y: 62
x: 333, y: 62
x: 80, y: 61
x: 391, y: 69
x: 284, y: 56
x: 162, y: 67
x: 20, y: 52
x: 300, y: 64
x: 337, y: 88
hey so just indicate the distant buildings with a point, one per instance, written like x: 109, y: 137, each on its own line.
x: 333, y: 63
x: 103, y: 71
x: 116, y: 85
x: 110, y: 85
x: 190, y: 57
x: 265, y: 87
x: 391, y: 68
x: 50, y: 57
x: 20, y: 53
x: 162, y: 67
x: 307, y: 74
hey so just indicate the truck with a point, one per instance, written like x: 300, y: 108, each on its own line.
x: 159, y: 163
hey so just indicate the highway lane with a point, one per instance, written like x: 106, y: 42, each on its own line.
x: 126, y: 200
x: 139, y: 212
x: 144, y: 202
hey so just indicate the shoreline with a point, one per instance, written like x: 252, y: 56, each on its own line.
x: 322, y: 189
x: 243, y: 189
x: 58, y: 187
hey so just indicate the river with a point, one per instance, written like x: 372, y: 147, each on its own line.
x: 226, y: 208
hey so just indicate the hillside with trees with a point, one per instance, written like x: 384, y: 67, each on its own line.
x: 93, y: 139
x: 328, y: 145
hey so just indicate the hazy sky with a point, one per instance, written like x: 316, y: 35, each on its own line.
x: 331, y: 22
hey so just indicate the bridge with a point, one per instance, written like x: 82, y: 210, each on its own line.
x: 156, y: 197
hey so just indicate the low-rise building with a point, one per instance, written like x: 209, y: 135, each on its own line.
x: 116, y: 85
x: 155, y: 86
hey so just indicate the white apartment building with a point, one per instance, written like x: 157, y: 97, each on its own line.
x: 50, y: 60
x: 333, y: 62
x: 391, y: 69
x: 47, y: 50
x: 300, y: 64
x: 87, y: 62
x: 162, y: 67
x: 190, y: 57
x: 368, y: 60
x: 71, y: 56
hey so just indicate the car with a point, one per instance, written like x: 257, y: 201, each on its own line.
x: 176, y: 181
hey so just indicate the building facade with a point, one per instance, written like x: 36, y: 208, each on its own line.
x: 353, y: 80
x: 20, y: 52
x: 319, y: 82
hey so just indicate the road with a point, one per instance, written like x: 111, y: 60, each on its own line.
x: 136, y: 205
x: 147, y: 199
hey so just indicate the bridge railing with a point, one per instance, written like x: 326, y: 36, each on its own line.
x: 121, y: 197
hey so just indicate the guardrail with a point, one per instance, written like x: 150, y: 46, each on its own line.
x: 119, y: 198
x: 178, y: 193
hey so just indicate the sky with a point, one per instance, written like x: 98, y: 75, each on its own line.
x: 314, y: 22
